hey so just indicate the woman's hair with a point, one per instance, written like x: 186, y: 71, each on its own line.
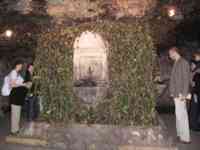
x: 18, y: 62
x: 29, y: 65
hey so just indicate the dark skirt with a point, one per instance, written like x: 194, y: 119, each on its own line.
x: 17, y: 95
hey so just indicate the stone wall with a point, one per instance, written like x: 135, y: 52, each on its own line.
x: 93, y: 8
x: 3, y: 69
x: 99, y: 137
x: 80, y: 8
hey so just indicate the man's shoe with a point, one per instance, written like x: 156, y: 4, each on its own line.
x: 185, y: 142
x: 14, y: 133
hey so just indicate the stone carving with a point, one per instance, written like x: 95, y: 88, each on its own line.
x: 24, y: 6
x: 74, y: 9
x: 136, y: 8
x: 81, y: 8
x: 85, y: 8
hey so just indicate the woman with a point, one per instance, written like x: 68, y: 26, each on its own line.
x: 31, y: 101
x: 17, y: 96
x: 195, y: 103
x: 29, y: 73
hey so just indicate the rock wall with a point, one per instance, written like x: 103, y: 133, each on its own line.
x: 100, y: 137
x: 80, y: 8
x: 93, y: 8
x: 3, y: 69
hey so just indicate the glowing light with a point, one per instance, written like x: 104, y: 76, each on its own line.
x: 8, y: 33
x: 172, y: 12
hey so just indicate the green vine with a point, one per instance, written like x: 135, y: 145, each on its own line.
x: 131, y: 98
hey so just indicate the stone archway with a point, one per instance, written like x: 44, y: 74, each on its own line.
x: 90, y: 67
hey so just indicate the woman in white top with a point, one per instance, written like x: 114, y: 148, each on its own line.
x: 17, y: 95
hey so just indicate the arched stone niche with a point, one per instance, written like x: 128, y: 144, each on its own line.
x: 90, y: 67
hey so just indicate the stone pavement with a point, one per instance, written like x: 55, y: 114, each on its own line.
x: 168, y: 119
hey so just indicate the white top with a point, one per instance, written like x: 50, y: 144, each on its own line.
x: 12, y: 76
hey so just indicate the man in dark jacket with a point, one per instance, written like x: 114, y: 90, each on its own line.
x: 195, y: 103
x: 179, y: 90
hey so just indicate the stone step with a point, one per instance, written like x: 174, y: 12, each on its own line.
x: 90, y: 137
x: 26, y: 141
x: 44, y: 143
x: 133, y: 147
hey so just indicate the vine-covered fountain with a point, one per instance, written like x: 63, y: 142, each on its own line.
x: 90, y: 67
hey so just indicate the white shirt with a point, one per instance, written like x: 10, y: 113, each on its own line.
x: 12, y: 76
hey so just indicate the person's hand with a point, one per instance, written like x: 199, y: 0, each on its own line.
x: 177, y: 98
x: 28, y: 85
x: 193, y: 84
x: 193, y: 66
x: 181, y: 97
x: 189, y: 96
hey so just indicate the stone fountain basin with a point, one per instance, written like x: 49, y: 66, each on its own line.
x: 91, y: 95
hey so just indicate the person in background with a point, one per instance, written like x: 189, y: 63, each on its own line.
x: 179, y: 91
x: 17, y: 95
x: 195, y: 103
x: 31, y: 100
x: 29, y: 73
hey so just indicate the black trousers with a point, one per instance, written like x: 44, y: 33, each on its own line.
x: 31, y: 108
x: 194, y: 113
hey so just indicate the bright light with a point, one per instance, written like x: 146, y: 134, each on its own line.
x: 171, y: 12
x: 8, y: 33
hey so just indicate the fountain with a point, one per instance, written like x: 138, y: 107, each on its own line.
x: 90, y: 67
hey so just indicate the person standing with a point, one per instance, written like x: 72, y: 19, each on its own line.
x: 29, y: 73
x: 32, y: 100
x: 194, y: 114
x: 179, y: 91
x: 17, y: 95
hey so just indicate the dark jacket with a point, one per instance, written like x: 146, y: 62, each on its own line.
x: 180, y: 78
x: 196, y: 78
x: 28, y: 78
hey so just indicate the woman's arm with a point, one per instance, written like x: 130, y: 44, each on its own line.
x: 14, y: 80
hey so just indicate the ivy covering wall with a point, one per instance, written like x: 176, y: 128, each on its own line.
x: 131, y: 96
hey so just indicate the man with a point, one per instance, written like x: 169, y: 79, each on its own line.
x: 195, y: 103
x: 179, y: 90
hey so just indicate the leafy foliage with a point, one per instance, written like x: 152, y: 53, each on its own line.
x: 131, y: 97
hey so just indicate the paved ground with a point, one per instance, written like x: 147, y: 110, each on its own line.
x: 168, y: 119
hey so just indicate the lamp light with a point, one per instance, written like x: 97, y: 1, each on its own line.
x: 8, y: 33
